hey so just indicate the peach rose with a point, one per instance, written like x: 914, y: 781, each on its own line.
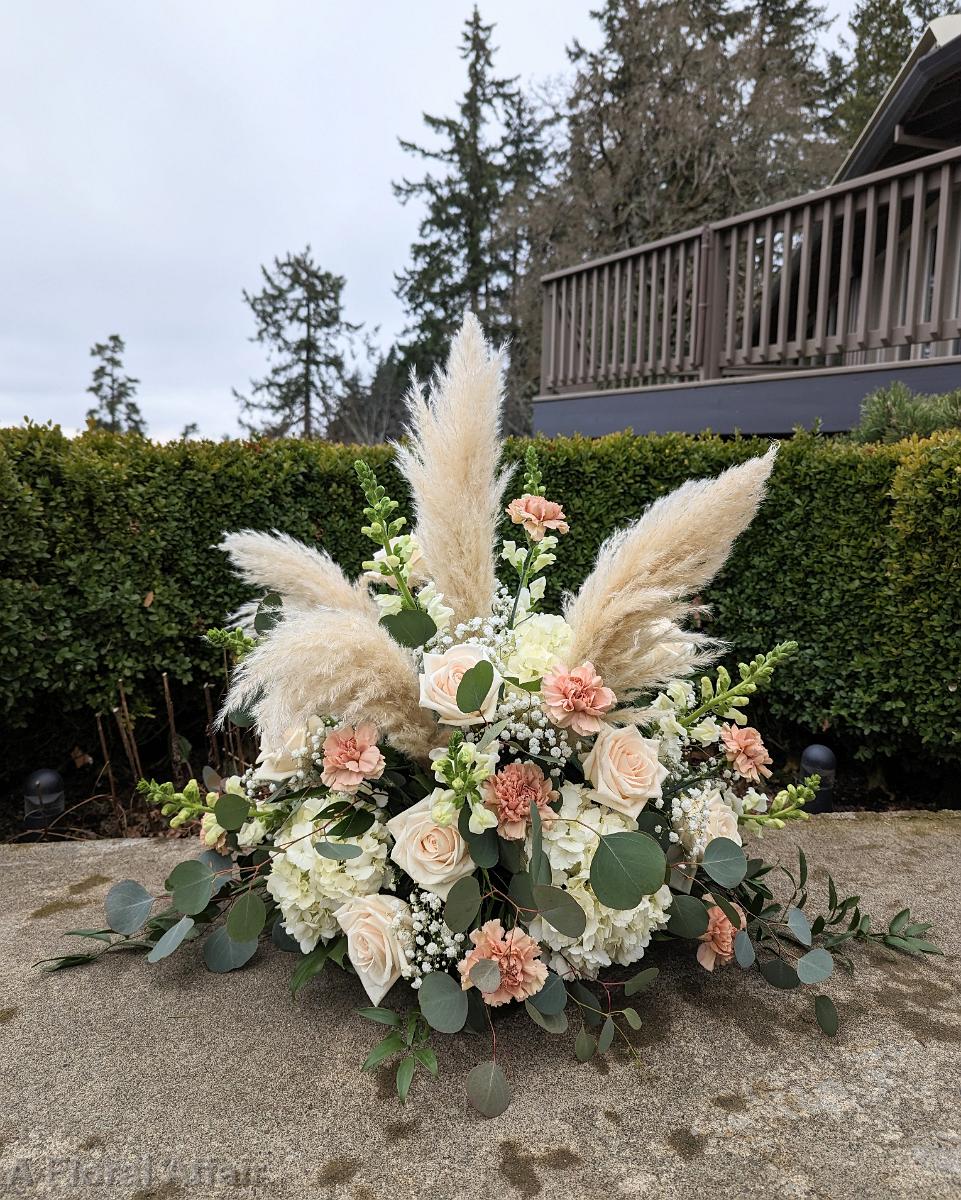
x: 351, y: 755
x: 379, y: 931
x: 624, y: 769
x: 517, y: 956
x: 441, y: 678
x: 746, y: 752
x: 510, y: 794
x: 717, y: 944
x: 537, y: 515
x: 434, y: 856
x: 576, y: 699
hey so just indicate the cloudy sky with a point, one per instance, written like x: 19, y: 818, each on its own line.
x: 156, y: 153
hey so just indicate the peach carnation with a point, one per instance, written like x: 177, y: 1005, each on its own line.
x: 510, y: 794
x: 717, y: 944
x: 517, y: 956
x: 351, y: 755
x: 537, y: 515
x: 576, y: 699
x: 746, y: 752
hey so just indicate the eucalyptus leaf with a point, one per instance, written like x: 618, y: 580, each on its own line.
x: 222, y: 953
x: 552, y: 1022
x: 127, y: 906
x: 560, y: 909
x: 511, y: 855
x: 169, y: 942
x: 310, y: 965
x: 338, y: 851
x: 587, y: 1003
x: 552, y: 998
x: 488, y: 1089
x: 744, y: 949
x: 626, y: 867
x: 780, y: 974
x: 688, y: 917
x: 815, y: 966
x: 485, y: 974
x: 282, y: 939
x: 463, y: 904
x: 442, y: 1002
x: 475, y: 686
x: 632, y: 1017
x: 212, y: 781
x: 247, y: 917
x: 606, y: 1036
x: 725, y: 862
x: 641, y: 981
x: 231, y: 811
x: 191, y: 885
x: 827, y: 1015
x: 584, y: 1045
x: 798, y: 924
x: 410, y: 627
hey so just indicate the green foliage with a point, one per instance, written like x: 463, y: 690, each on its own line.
x: 895, y: 412
x: 854, y: 555
x: 116, y: 410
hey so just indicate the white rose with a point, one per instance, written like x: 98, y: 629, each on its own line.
x: 434, y: 856
x: 280, y: 762
x: 624, y: 769
x: 379, y: 932
x: 540, y: 642
x: 441, y: 677
x: 721, y: 820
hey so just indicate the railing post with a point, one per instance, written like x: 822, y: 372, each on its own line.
x: 547, y: 338
x: 710, y: 305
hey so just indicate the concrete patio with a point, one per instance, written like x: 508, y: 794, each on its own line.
x: 166, y: 1082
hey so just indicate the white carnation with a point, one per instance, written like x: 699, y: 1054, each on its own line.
x: 611, y: 935
x: 308, y: 887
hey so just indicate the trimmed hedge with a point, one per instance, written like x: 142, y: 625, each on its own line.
x: 108, y: 567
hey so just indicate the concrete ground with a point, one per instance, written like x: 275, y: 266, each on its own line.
x: 166, y: 1082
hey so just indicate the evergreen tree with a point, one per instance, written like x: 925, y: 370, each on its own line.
x: 116, y: 409
x: 458, y: 261
x: 883, y: 33
x: 300, y: 320
x: 372, y: 411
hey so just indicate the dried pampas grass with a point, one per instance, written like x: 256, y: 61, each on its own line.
x: 304, y: 578
x: 338, y: 663
x: 452, y: 465
x: 626, y: 616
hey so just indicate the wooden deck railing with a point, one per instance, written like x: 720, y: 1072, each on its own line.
x: 865, y: 271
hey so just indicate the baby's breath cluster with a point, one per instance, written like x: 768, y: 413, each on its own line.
x: 430, y: 944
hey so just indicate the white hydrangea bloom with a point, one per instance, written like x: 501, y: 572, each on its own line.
x: 540, y: 642
x: 611, y: 935
x: 308, y: 887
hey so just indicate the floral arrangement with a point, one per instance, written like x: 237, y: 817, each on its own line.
x: 472, y: 803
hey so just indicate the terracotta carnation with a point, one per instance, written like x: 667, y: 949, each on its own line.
x: 746, y: 752
x: 351, y: 755
x: 537, y: 515
x: 510, y: 794
x: 518, y: 957
x: 717, y: 944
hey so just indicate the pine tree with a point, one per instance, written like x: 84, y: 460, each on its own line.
x: 458, y: 261
x: 116, y: 409
x: 300, y: 319
x: 883, y: 33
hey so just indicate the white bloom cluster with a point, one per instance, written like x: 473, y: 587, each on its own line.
x: 611, y: 935
x: 702, y: 813
x: 433, y: 946
x: 529, y: 725
x: 308, y: 887
x: 536, y: 644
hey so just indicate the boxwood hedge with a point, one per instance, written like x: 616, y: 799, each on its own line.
x: 109, y: 566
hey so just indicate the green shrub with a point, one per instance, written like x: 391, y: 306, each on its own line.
x: 109, y: 566
x: 895, y: 412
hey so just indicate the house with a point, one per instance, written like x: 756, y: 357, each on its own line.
x: 789, y: 314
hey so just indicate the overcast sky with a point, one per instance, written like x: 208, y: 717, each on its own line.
x: 156, y: 153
